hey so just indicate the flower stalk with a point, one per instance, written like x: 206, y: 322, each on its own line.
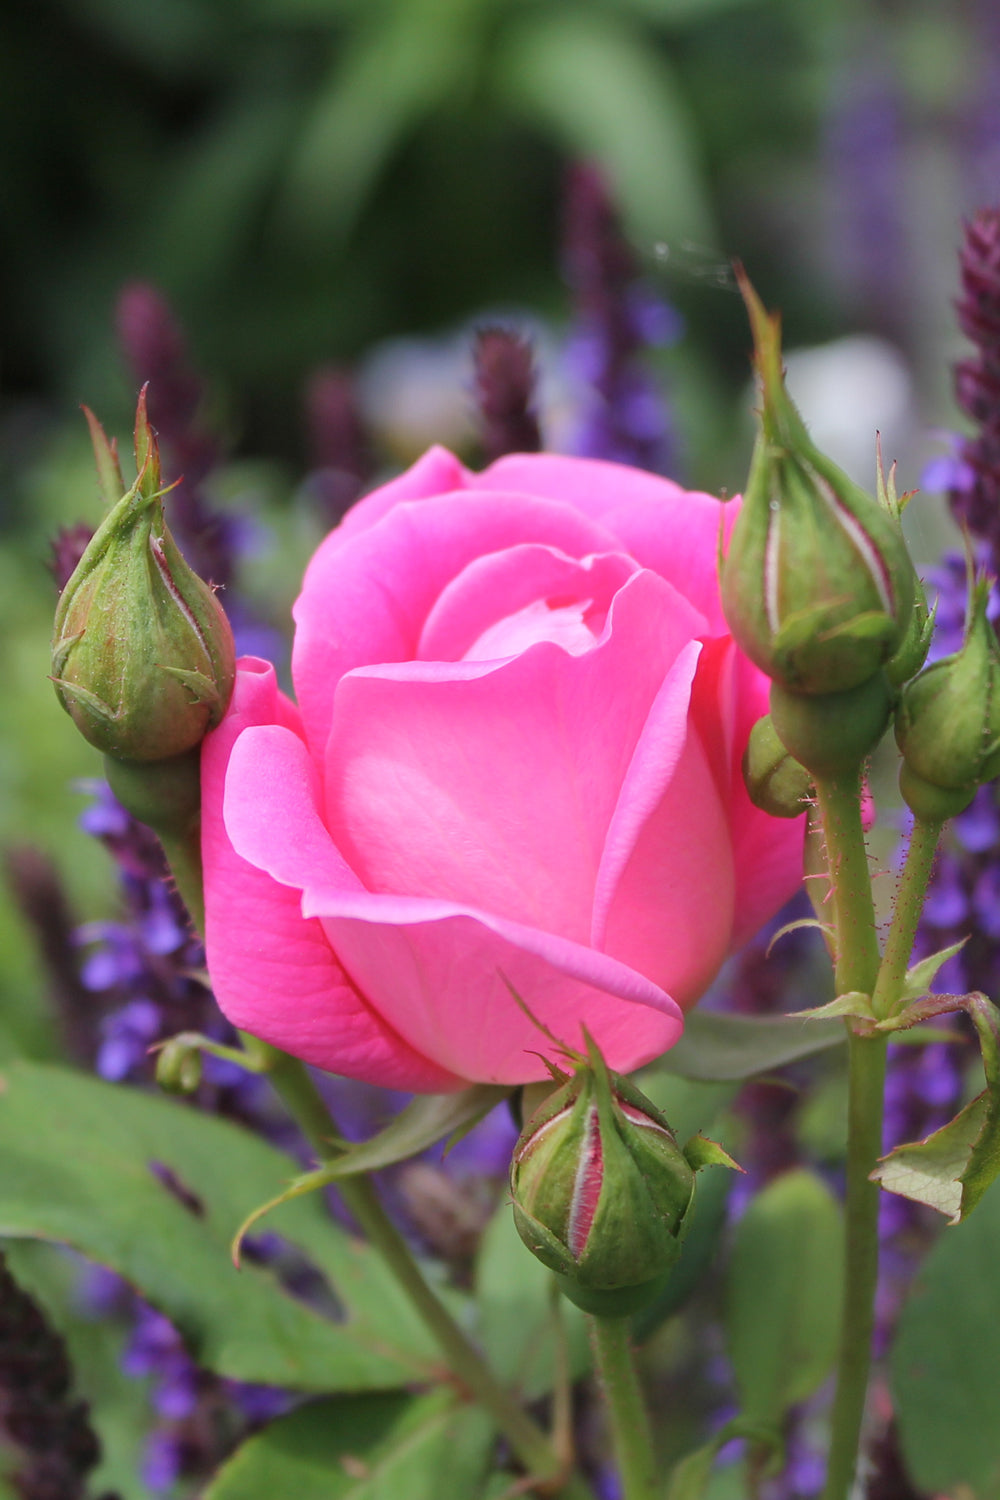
x: 626, y: 1407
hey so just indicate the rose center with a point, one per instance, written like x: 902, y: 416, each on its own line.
x: 575, y: 625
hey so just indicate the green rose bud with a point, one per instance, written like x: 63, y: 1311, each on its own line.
x: 774, y: 780
x: 948, y: 720
x: 601, y: 1189
x: 142, y: 654
x: 817, y: 585
x: 178, y: 1066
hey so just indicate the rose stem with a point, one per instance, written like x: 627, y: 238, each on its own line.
x: 905, y: 917
x: 303, y: 1102
x: 626, y: 1408
x: 856, y: 968
x: 867, y: 1067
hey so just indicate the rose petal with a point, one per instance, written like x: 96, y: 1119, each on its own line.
x: 675, y: 532
x: 664, y: 897
x: 730, y: 695
x: 273, y: 972
x: 500, y: 585
x: 494, y: 784
x: 441, y: 977
x: 420, y: 962
x: 367, y: 600
x: 437, y: 472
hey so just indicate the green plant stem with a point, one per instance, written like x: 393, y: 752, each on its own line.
x: 184, y: 858
x: 857, y: 955
x: 626, y: 1407
x: 529, y: 1442
x: 867, y: 1055
x: 857, y: 967
x: 905, y: 917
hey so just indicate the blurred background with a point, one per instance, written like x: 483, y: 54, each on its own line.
x: 295, y: 214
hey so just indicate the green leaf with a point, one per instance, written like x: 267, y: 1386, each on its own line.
x: 77, y: 1157
x: 932, y: 1171
x: 945, y: 1359
x: 423, y: 1123
x: 951, y: 1169
x: 364, y: 1448
x: 797, y: 926
x: 783, y: 1295
x: 854, y: 1004
x: 920, y: 978
x: 718, y: 1048
x: 518, y: 1327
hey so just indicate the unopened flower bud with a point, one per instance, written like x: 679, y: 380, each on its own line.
x: 142, y: 654
x: 775, y: 781
x: 817, y: 585
x: 178, y: 1066
x: 601, y: 1189
x: 948, y: 721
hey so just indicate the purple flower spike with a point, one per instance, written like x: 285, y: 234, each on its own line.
x: 505, y: 392
x: 617, y: 318
x: 977, y: 379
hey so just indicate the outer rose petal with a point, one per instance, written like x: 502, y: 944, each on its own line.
x: 664, y: 899
x: 437, y: 472
x: 730, y: 696
x: 673, y: 531
x: 274, y: 973
x: 366, y: 601
x: 422, y: 961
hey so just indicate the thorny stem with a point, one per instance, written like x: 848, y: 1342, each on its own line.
x: 857, y: 966
x: 626, y: 1408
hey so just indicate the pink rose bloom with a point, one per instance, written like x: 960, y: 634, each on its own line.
x: 514, y: 764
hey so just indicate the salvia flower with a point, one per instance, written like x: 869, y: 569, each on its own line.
x: 51, y: 1431
x: 155, y: 349
x: 505, y: 381
x: 601, y: 1189
x: 976, y: 502
x: 618, y: 318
